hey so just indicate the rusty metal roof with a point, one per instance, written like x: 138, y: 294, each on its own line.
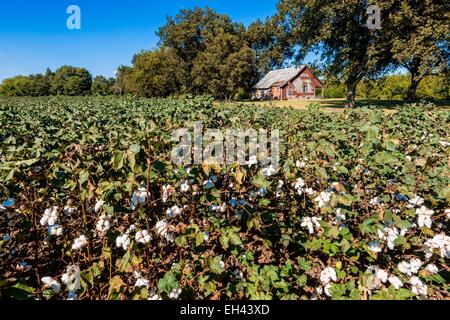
x: 278, y: 78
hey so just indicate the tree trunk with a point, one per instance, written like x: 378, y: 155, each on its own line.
x: 351, y: 93
x: 412, y: 89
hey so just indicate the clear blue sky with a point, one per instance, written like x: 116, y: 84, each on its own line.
x: 34, y: 36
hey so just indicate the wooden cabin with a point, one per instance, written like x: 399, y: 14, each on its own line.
x: 288, y: 84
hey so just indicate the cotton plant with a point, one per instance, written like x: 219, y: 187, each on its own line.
x: 439, y: 245
x: 167, y: 191
x: 269, y: 170
x: 175, y: 293
x: 140, y: 280
x: 103, y: 224
x: 323, y: 199
x: 174, y: 211
x: 123, y: 241
x: 50, y: 216
x: 185, y: 186
x: 98, y: 205
x: 418, y: 287
x: 139, y: 196
x: 80, y: 242
x: 143, y: 237
x: 416, y: 201
x: 410, y: 267
x: 340, y: 216
x: 424, y: 217
x: 162, y: 230
x: 51, y: 283
x: 327, y: 276
x: 395, y: 281
x: 311, y: 223
x: 299, y: 185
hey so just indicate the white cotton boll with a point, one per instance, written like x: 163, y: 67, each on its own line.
x: 327, y: 275
x: 415, y: 265
x: 307, y: 223
x: 424, y: 217
x: 252, y: 160
x: 143, y: 237
x: 382, y: 275
x: 161, y: 227
x: 269, y: 170
x: 162, y: 230
x: 323, y: 199
x: 418, y: 287
x: 408, y: 158
x: 175, y: 293
x: 79, y: 243
x: 396, y: 282
x: 103, y: 224
x: 415, y: 202
x: 68, y: 211
x: 431, y: 268
x: 173, y: 212
x: 374, y: 201
x: 340, y: 217
x: 206, y: 236
x: 222, y: 264
x: 374, y: 246
x: 447, y: 213
x: 55, y: 230
x: 123, y: 241
x: 141, y: 282
x: 98, y: 205
x: 185, y: 187
x: 154, y: 296
x: 139, y: 196
x: 439, y: 244
x: 300, y: 164
x: 310, y: 191
x: 326, y: 289
x: 51, y: 283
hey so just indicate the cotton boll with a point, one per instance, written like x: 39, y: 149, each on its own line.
x: 396, y: 282
x: 98, y: 205
x: 103, y: 224
x: 418, y: 287
x: 173, y: 211
x: 374, y: 246
x: 323, y: 199
x: 79, y: 243
x: 175, y: 294
x: 123, y: 241
x: 328, y: 275
x: 431, y: 268
x: 51, y: 283
x: 139, y: 196
x: 143, y: 237
x: 141, y: 282
x: 55, y: 230
x: 269, y: 170
x: 424, y: 217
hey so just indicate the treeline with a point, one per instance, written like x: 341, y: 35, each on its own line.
x: 391, y: 87
x: 67, y: 80
x: 202, y: 52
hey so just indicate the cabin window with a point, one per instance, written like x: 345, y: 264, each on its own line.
x: 290, y: 91
x: 305, y: 88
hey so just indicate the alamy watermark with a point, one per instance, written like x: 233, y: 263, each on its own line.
x: 231, y: 146
x: 374, y: 17
x: 73, y: 21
